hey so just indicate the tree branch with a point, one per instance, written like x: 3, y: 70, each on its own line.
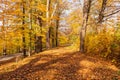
x: 112, y: 13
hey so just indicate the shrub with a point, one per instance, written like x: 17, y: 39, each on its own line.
x: 99, y: 44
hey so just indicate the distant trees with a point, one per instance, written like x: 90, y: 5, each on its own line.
x: 53, y: 19
x: 31, y: 26
x: 34, y: 25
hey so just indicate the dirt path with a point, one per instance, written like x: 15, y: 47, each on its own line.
x: 60, y: 64
x: 8, y: 57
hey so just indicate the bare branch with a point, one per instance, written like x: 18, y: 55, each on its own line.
x: 115, y: 12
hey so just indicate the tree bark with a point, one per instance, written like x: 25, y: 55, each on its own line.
x: 4, y: 31
x: 38, y: 44
x: 86, y: 11
x: 40, y: 37
x: 23, y: 29
x: 30, y: 34
x: 56, y: 33
x: 52, y: 36
x: 101, y: 16
x: 47, y: 24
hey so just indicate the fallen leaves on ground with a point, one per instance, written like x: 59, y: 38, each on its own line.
x: 59, y: 64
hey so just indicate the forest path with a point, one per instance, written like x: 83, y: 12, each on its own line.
x: 59, y: 64
x: 8, y: 57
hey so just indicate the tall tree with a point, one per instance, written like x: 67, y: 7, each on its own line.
x: 23, y: 28
x: 101, y: 15
x: 30, y: 26
x: 86, y: 11
x: 47, y: 24
x: 39, y: 40
x: 58, y: 14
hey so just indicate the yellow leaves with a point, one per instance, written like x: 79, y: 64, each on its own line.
x: 42, y: 7
x: 43, y: 18
x: 99, y: 44
x: 75, y: 28
x: 32, y: 3
x: 75, y: 25
x: 109, y: 2
x: 63, y: 40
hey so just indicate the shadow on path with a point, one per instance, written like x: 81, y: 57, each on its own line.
x: 70, y: 66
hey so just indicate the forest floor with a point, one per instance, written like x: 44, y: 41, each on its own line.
x: 61, y: 63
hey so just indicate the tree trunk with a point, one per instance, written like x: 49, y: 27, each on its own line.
x: 52, y: 36
x: 5, y: 44
x: 47, y: 24
x: 57, y: 26
x: 35, y: 43
x: 48, y: 39
x: 38, y: 44
x: 86, y: 11
x: 40, y: 37
x: 101, y: 16
x: 23, y: 29
x: 30, y: 34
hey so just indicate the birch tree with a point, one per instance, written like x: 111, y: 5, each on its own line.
x: 86, y: 11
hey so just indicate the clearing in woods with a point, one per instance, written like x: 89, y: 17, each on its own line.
x: 61, y: 63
